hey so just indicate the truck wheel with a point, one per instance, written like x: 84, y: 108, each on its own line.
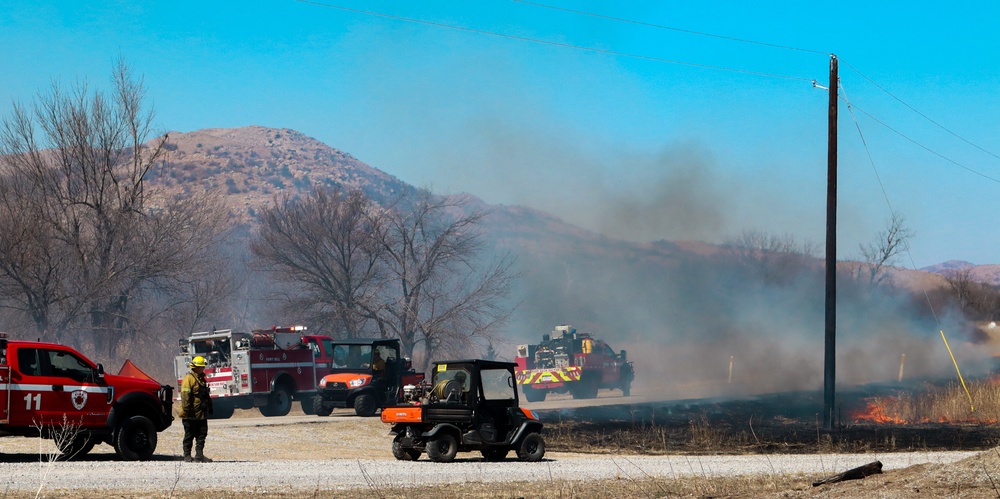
x: 318, y: 408
x: 442, y: 448
x: 534, y: 395
x: 307, y: 406
x: 280, y: 402
x: 222, y: 410
x: 364, y: 405
x: 135, y: 439
x: 532, y: 448
x: 75, y: 447
x: 584, y: 389
x: 494, y: 455
x: 403, y: 454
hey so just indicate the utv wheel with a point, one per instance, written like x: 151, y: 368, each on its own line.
x: 279, y: 404
x: 75, y: 447
x: 318, y: 408
x: 534, y: 395
x: 364, y: 405
x: 494, y: 455
x: 404, y: 454
x: 532, y: 448
x: 135, y: 439
x: 442, y: 448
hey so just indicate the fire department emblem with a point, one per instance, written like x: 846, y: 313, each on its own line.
x: 79, y: 398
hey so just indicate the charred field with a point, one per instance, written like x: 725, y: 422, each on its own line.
x: 773, y: 423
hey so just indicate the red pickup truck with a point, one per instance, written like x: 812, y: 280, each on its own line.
x: 52, y: 391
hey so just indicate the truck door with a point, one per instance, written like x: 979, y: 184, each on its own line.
x: 85, y: 396
x: 53, y: 392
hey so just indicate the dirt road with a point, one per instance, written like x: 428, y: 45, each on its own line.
x: 310, y: 453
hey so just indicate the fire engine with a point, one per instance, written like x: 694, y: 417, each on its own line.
x: 53, y: 391
x: 568, y: 361
x: 265, y: 368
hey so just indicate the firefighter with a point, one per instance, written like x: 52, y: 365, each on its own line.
x: 196, y: 405
x: 378, y: 365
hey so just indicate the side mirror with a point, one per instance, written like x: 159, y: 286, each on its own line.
x: 100, y: 373
x: 624, y: 355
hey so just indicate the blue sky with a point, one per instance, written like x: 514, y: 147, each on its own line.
x: 617, y: 139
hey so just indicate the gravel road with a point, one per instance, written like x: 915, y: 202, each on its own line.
x: 310, y: 453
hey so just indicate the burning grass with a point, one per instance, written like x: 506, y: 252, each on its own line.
x: 936, y: 404
x: 891, y: 421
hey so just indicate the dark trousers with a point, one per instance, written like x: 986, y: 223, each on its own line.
x: 195, y: 431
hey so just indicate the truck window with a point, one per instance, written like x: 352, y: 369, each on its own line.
x: 66, y: 365
x: 27, y: 362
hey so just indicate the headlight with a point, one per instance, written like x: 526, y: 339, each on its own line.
x: 355, y: 383
x: 322, y: 383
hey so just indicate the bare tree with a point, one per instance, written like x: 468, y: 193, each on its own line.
x: 411, y: 270
x: 442, y: 295
x: 882, y: 253
x: 330, y: 245
x: 771, y: 258
x: 75, y: 165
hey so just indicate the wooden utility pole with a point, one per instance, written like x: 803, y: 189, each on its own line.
x: 830, y: 357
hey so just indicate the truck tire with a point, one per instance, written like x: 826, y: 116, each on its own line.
x: 364, y: 405
x: 75, y: 447
x: 407, y: 454
x: 532, y: 448
x: 534, y: 394
x: 442, y: 448
x: 318, y: 408
x: 223, y: 410
x: 135, y: 439
x: 584, y: 389
x: 307, y: 406
x: 279, y: 403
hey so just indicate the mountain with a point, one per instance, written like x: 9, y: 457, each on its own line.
x: 989, y: 274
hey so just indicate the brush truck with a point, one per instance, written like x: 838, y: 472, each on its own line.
x: 569, y: 361
x: 52, y: 391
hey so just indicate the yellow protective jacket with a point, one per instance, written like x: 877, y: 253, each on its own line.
x: 195, y: 400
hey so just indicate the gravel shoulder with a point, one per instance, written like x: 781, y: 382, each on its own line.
x: 309, y: 453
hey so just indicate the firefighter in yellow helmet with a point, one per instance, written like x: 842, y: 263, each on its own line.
x: 196, y: 405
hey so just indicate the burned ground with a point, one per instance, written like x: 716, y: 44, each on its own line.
x: 776, y: 423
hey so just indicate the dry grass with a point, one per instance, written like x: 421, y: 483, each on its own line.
x: 938, y: 404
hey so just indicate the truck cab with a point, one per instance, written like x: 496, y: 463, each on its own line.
x: 53, y: 391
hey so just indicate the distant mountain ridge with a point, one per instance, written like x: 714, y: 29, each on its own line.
x: 251, y: 166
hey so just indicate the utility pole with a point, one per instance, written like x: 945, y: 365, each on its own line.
x: 830, y: 357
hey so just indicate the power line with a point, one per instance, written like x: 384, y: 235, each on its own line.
x: 679, y: 30
x: 552, y: 43
x: 928, y: 149
x: 922, y: 115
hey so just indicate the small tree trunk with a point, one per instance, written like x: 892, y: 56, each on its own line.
x: 853, y: 474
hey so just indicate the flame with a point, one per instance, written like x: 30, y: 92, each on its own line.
x: 877, y: 414
x: 880, y: 410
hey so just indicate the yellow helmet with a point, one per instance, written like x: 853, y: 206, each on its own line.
x: 198, y: 361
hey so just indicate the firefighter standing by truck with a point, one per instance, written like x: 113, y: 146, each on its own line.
x: 196, y: 405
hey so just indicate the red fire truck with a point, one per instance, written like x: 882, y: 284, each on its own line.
x: 53, y: 391
x: 568, y: 361
x: 265, y: 368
